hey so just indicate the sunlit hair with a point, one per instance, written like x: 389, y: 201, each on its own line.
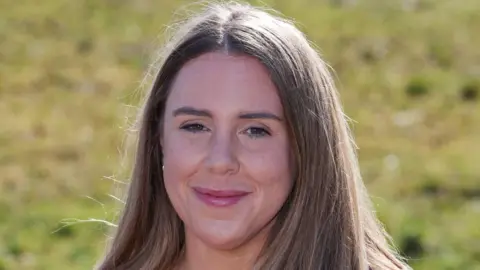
x: 327, y: 221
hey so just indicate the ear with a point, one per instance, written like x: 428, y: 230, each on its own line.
x: 160, y: 134
x: 162, y: 145
x: 161, y: 151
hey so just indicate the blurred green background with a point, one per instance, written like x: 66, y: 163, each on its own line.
x: 409, y: 76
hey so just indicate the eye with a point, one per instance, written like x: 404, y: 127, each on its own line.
x: 194, y: 128
x: 257, y: 132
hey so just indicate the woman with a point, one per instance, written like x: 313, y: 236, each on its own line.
x: 244, y: 158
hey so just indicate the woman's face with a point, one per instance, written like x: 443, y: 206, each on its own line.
x: 226, y: 150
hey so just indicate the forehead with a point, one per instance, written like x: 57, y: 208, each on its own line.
x: 240, y: 81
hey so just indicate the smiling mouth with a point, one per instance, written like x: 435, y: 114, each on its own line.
x: 219, y: 198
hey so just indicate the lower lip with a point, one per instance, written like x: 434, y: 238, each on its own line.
x: 219, y: 201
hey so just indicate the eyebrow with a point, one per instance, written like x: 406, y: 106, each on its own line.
x: 206, y: 113
x: 191, y: 111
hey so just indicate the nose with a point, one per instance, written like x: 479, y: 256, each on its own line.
x: 222, y: 157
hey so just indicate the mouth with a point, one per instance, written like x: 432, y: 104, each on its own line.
x: 220, y: 198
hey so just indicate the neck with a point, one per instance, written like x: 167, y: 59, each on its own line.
x: 200, y: 256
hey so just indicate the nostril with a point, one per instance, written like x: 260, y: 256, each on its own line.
x: 222, y: 157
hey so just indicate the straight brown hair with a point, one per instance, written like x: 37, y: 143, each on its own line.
x: 327, y: 221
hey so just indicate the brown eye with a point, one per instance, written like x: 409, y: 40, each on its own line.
x: 257, y: 132
x: 194, y: 128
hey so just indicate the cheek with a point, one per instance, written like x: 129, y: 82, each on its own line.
x: 181, y: 155
x: 274, y: 183
x: 271, y: 169
x: 180, y: 161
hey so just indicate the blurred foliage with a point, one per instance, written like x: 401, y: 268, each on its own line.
x: 408, y: 73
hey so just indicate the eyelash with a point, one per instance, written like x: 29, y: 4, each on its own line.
x: 260, y: 132
x: 194, y: 128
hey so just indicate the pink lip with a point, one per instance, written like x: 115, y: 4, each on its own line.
x: 219, y: 198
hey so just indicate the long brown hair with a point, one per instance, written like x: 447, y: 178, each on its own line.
x: 326, y: 223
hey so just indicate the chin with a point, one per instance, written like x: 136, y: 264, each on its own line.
x: 221, y: 241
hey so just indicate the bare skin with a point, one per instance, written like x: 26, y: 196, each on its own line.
x: 226, y: 156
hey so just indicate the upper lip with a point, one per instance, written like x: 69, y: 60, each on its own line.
x: 221, y: 193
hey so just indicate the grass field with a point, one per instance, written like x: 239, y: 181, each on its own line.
x: 70, y: 71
